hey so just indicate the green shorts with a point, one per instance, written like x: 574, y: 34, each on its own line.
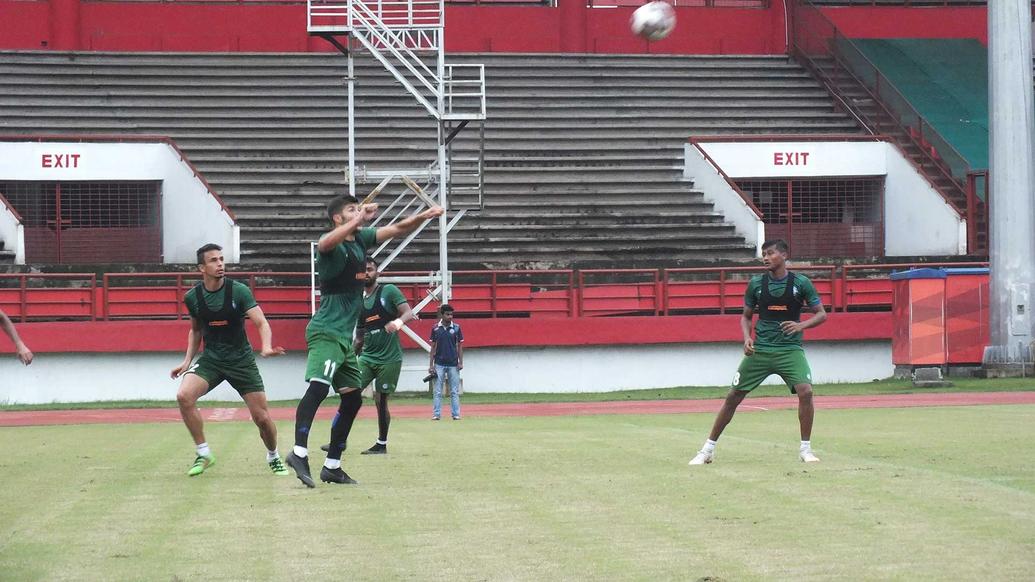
x: 790, y: 365
x: 385, y: 376
x: 242, y: 374
x: 331, y: 360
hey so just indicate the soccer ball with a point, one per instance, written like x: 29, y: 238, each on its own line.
x: 653, y: 20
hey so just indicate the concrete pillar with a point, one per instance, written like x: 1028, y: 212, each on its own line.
x: 1012, y: 182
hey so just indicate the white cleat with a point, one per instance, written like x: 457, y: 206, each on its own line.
x: 702, y: 458
x: 808, y: 457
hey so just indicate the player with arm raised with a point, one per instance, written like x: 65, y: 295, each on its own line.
x: 332, y: 361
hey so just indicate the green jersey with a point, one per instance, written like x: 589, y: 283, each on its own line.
x: 222, y: 319
x: 381, y: 307
x: 342, y: 271
x: 768, y: 335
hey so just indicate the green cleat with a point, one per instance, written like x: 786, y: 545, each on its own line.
x: 200, y: 464
x: 278, y: 468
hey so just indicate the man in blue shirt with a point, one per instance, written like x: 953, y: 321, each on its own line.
x: 447, y: 359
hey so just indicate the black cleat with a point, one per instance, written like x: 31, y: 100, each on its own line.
x: 325, y: 448
x: 336, y: 476
x: 301, y: 467
x: 377, y: 449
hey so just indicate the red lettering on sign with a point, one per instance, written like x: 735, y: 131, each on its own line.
x: 790, y: 158
x: 60, y: 160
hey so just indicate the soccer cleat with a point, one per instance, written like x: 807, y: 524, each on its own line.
x: 336, y: 476
x: 278, y: 468
x: 807, y: 456
x: 376, y: 450
x: 325, y: 448
x: 434, y: 418
x: 702, y: 458
x: 200, y: 464
x: 301, y: 467
x: 457, y: 417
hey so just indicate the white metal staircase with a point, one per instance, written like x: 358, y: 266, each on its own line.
x: 407, y: 38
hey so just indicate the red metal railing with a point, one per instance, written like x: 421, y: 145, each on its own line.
x: 143, y: 295
x: 815, y: 38
x: 708, y: 290
x: 979, y: 197
x: 697, y: 141
x: 51, y: 296
x: 548, y: 293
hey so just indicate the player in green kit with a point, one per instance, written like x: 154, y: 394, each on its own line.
x: 385, y: 311
x: 779, y: 296
x: 218, y: 308
x: 332, y: 361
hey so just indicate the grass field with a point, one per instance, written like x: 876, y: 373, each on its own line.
x: 901, y: 494
x: 681, y: 393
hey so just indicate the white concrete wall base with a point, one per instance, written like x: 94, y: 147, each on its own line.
x: 77, y: 377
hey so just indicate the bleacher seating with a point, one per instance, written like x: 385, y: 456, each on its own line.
x: 946, y: 80
x: 583, y: 153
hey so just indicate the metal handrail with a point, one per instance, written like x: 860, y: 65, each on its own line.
x: 749, y: 200
x: 881, y: 85
x: 558, y: 292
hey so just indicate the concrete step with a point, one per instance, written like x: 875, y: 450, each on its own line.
x: 575, y: 144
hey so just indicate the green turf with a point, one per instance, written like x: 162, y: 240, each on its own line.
x: 901, y: 494
x: 682, y: 393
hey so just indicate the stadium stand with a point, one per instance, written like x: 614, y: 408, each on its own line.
x: 946, y: 80
x: 575, y: 144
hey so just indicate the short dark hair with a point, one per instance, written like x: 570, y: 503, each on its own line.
x: 779, y: 243
x: 205, y: 249
x: 337, y: 203
x: 446, y: 308
x: 371, y: 259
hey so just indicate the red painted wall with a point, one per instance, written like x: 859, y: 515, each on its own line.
x: 898, y: 22
x: 24, y: 25
x: 158, y: 26
x: 699, y: 31
x: 503, y: 29
x: 171, y: 336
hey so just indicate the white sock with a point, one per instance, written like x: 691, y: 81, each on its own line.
x: 381, y: 442
x: 301, y: 452
x: 806, y: 445
x: 272, y: 455
x: 203, y: 450
x: 709, y: 446
x: 332, y: 464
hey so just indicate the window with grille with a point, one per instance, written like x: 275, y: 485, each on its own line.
x: 826, y: 218
x: 89, y: 222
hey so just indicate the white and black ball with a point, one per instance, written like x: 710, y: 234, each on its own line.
x: 653, y: 20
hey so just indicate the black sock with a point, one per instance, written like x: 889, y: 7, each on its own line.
x: 383, y: 418
x: 347, y: 411
x: 306, y: 412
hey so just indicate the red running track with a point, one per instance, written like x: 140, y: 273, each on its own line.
x: 138, y: 415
